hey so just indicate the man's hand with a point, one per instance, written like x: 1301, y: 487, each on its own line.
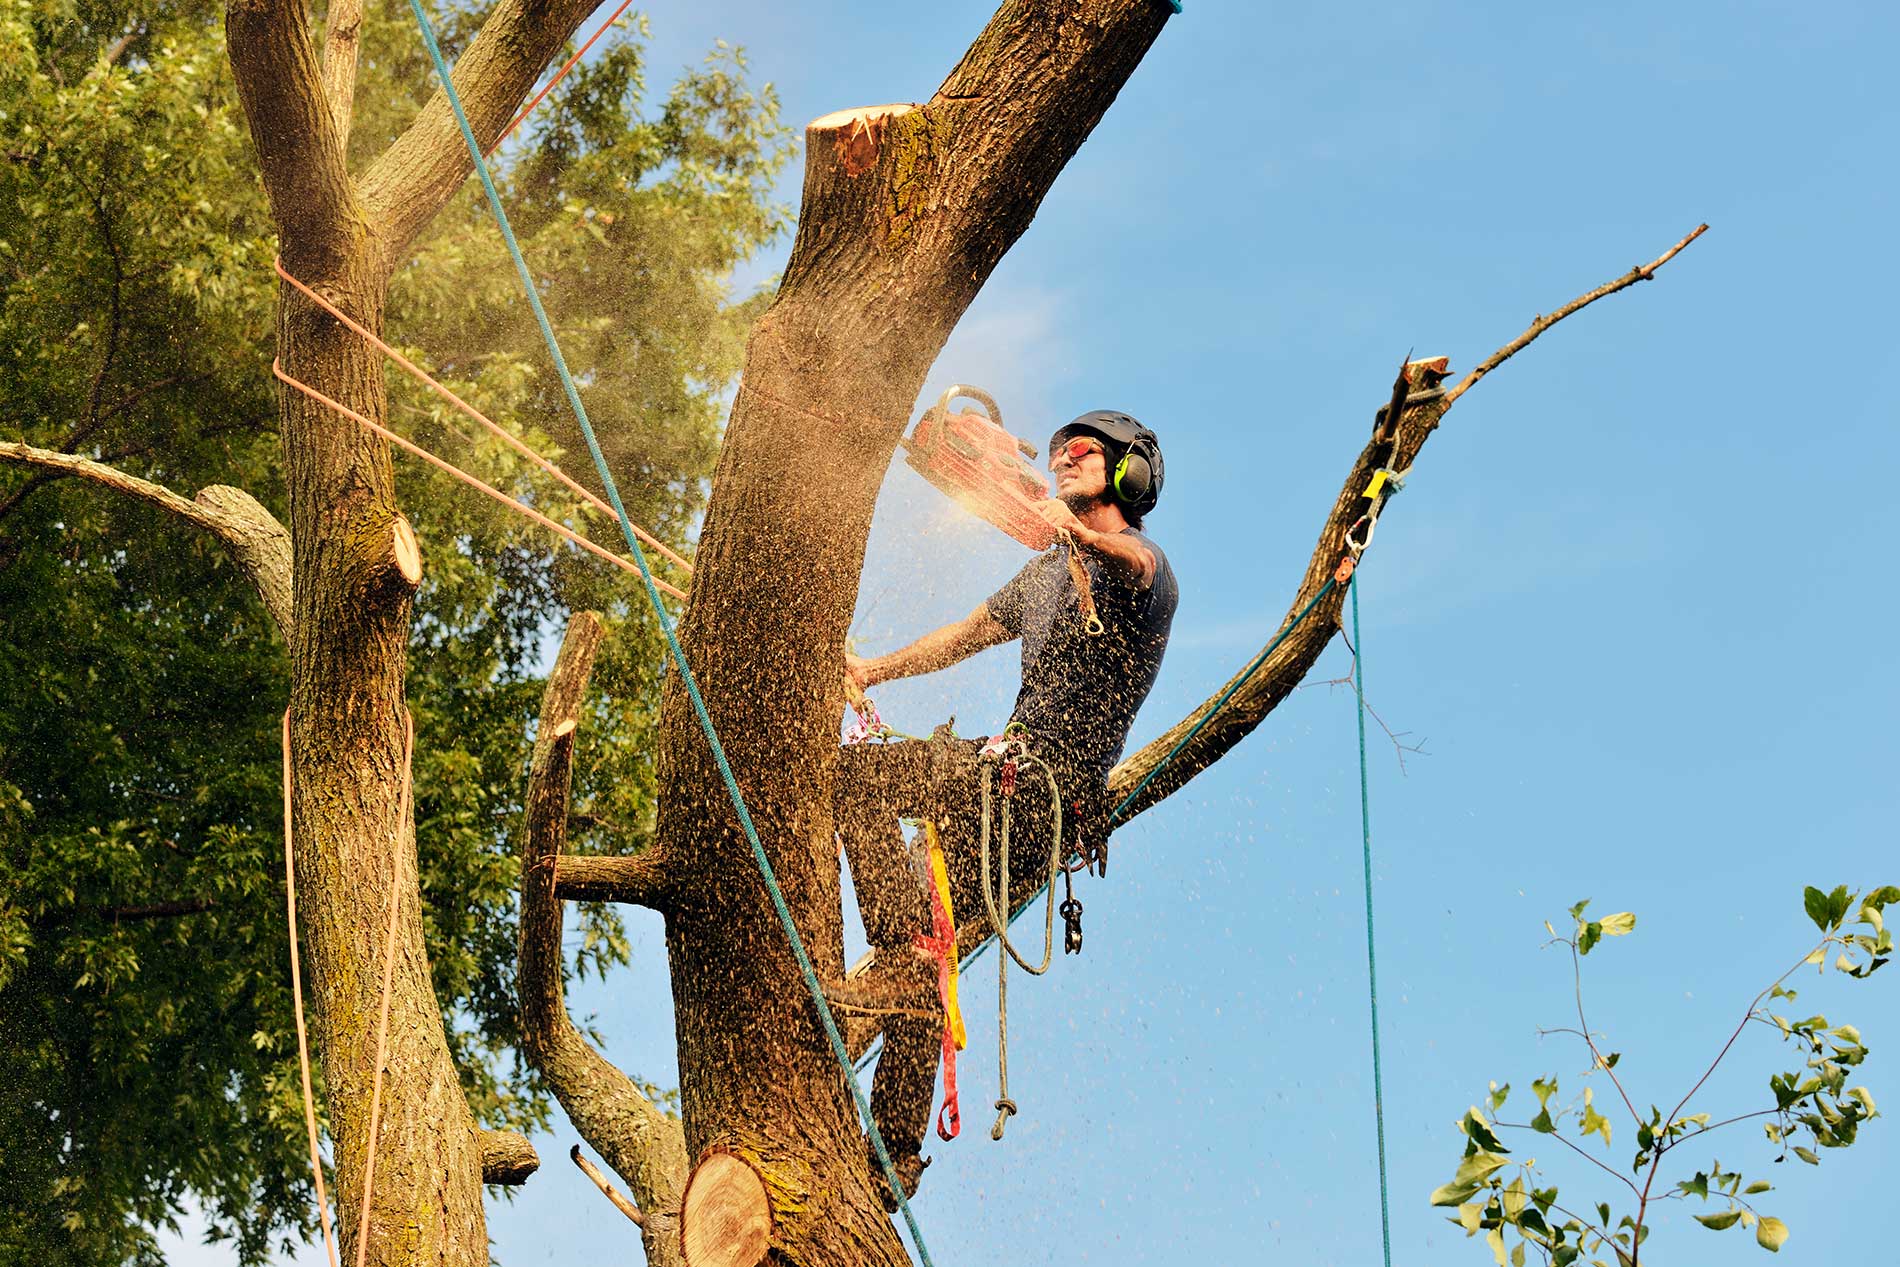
x: 858, y: 672
x: 1062, y: 519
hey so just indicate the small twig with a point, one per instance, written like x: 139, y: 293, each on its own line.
x: 1641, y: 273
x: 1396, y: 736
x: 1526, y: 1126
x: 607, y: 1189
x: 1730, y: 1121
x: 1576, y: 970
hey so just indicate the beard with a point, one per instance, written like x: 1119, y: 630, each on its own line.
x: 1079, y: 502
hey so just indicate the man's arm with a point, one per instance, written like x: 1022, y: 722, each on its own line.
x: 1124, y: 555
x: 933, y: 651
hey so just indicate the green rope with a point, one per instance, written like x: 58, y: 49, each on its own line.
x: 666, y: 627
x: 1372, y: 959
x: 1175, y: 751
x: 1221, y: 703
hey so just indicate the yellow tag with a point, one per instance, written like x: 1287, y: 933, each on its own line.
x: 940, y: 876
x: 1378, y: 482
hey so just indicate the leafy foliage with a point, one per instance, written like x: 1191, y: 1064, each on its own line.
x: 147, y: 1054
x: 1812, y: 1103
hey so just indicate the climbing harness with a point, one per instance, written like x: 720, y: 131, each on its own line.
x: 687, y: 680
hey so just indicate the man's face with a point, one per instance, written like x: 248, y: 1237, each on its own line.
x: 1080, y: 466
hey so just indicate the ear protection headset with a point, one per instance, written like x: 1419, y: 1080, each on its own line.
x: 1135, y: 477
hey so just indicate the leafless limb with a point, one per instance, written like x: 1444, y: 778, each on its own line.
x: 1641, y: 273
x: 607, y: 1189
x: 253, y: 538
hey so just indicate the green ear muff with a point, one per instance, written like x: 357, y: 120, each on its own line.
x: 1133, y: 476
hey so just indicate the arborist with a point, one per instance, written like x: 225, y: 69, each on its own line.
x: 1086, y: 668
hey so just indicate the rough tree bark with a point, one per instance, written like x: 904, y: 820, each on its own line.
x: 351, y: 601
x: 906, y: 210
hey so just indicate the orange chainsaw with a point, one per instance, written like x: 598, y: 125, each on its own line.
x: 982, y: 467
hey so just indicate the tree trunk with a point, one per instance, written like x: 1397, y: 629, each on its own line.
x: 906, y: 210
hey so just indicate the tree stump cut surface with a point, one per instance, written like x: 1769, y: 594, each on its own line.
x: 725, y: 1216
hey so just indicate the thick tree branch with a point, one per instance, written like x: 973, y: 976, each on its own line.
x: 299, y: 149
x: 342, y: 26
x: 253, y: 538
x: 1282, y: 672
x: 507, y: 1158
x: 411, y: 180
x: 641, y: 880
x: 644, y: 1146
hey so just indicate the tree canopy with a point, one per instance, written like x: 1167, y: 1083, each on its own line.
x: 147, y: 1055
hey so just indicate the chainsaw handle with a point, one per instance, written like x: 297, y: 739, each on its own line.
x: 984, y: 399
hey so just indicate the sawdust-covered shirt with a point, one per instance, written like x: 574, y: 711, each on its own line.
x: 1080, y: 694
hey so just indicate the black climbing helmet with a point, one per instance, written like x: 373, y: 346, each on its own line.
x: 1134, y: 456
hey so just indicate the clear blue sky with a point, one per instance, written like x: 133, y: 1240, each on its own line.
x: 1637, y: 600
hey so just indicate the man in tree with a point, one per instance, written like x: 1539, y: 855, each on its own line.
x: 1082, y: 683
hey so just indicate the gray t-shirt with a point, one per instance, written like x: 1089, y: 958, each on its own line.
x: 1080, y: 693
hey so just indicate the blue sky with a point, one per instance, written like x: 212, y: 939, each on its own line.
x: 1636, y: 600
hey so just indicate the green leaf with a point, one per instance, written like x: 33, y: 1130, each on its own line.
x: 1619, y: 925
x: 1452, y: 1193
x: 1592, y: 934
x: 1837, y: 902
x: 1720, y: 1221
x: 1495, y: 1239
x: 1471, y: 1217
x: 1478, y: 1167
x: 1514, y: 1200
x: 1544, y: 1088
x: 1517, y: 1255
x: 1499, y: 1093
x: 1576, y: 912
x: 1815, y: 903
x: 1760, y: 1185
x: 1866, y: 1099
x: 1480, y: 1133
x: 1543, y: 1123
x: 1696, y: 1187
x: 1807, y: 1156
x: 1771, y: 1234
x: 1593, y: 1121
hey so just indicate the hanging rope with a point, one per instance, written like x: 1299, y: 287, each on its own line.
x: 1372, y: 959
x: 672, y: 640
x: 296, y: 999
x: 382, y: 1021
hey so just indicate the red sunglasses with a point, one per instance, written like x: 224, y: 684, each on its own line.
x: 1077, y: 449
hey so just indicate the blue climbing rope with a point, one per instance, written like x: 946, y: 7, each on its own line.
x: 666, y: 627
x: 1372, y: 958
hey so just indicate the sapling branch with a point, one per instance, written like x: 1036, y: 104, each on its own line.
x: 1594, y: 1161
x: 1576, y: 970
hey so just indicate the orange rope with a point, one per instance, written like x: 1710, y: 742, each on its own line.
x: 450, y: 468
x: 558, y: 75
x: 389, y: 977
x: 296, y: 995
x: 495, y: 429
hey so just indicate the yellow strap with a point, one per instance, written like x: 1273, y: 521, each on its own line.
x: 1378, y: 482
x: 940, y: 876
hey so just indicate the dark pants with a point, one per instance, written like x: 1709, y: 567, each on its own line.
x: 879, y: 784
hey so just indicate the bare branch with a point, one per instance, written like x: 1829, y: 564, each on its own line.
x: 411, y: 180
x: 639, y: 880
x: 1641, y: 273
x: 644, y: 1146
x: 342, y: 26
x: 607, y: 1189
x: 1290, y: 662
x: 253, y: 538
x: 507, y: 1157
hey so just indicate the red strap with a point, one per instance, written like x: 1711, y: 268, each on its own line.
x: 942, y: 944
